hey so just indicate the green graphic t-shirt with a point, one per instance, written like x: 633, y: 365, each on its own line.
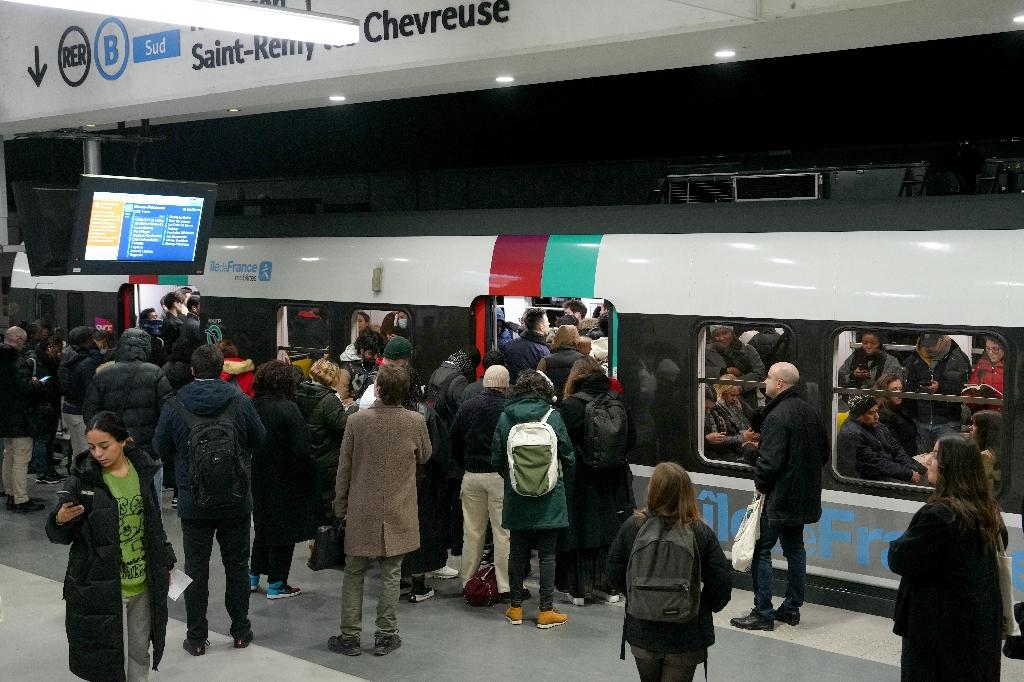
x: 131, y: 522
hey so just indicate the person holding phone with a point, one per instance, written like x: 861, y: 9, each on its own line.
x: 120, y: 561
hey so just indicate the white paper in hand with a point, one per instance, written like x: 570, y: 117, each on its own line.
x: 179, y: 581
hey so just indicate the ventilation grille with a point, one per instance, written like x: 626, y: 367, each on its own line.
x: 698, y: 189
x: 777, y: 187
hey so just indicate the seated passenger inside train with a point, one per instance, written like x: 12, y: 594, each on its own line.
x: 726, y: 354
x: 893, y: 415
x: 732, y: 438
x: 868, y: 450
x: 987, y: 376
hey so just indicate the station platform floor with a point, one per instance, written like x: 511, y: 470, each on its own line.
x: 443, y: 638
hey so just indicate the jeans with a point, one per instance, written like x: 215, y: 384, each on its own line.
x: 273, y: 561
x: 792, y: 539
x: 41, y: 449
x: 521, y: 542
x: 17, y: 455
x: 138, y: 625
x: 655, y: 666
x: 352, y: 595
x: 482, y: 499
x: 233, y: 537
x: 934, y: 431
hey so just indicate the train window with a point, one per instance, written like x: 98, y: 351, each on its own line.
x: 302, y: 334
x: 46, y: 307
x: 733, y: 361
x: 389, y: 323
x: 896, y: 392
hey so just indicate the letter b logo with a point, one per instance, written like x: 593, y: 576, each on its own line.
x: 111, y: 47
x: 110, y: 51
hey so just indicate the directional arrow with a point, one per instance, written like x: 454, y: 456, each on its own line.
x: 38, y: 74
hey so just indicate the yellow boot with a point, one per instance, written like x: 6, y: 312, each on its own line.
x: 514, y: 615
x: 550, y: 619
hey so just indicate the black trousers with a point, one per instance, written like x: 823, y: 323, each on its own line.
x: 233, y: 537
x: 273, y: 561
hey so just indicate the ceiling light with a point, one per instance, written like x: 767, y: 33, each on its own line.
x: 725, y: 54
x: 233, y: 110
x: 504, y: 79
x: 309, y: 260
x: 90, y: 125
x: 236, y: 16
x: 1019, y: 19
x: 337, y: 98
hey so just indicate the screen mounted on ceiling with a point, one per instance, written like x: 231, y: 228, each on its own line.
x: 142, y: 226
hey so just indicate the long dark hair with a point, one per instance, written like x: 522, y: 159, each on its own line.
x: 988, y: 427
x: 671, y: 495
x: 962, y: 486
x: 108, y: 422
x: 582, y: 369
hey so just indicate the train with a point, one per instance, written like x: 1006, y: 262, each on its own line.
x: 817, y: 272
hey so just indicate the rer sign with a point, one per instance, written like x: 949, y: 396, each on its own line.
x: 164, y: 45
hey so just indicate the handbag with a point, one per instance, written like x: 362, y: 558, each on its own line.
x: 1006, y: 592
x: 482, y: 588
x: 748, y: 534
x: 328, y: 548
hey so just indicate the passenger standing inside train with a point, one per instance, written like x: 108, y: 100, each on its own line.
x: 204, y: 513
x: 599, y: 489
x: 941, y: 368
x: 326, y: 417
x: 489, y: 359
x: 284, y: 491
x: 672, y: 651
x: 794, y: 447
x: 868, y: 450
x: 987, y: 432
x: 237, y: 370
x: 526, y: 351
x: 868, y: 363
x: 483, y: 491
x: 726, y: 354
x: 77, y: 367
x: 191, y: 327
x: 134, y: 390
x: 893, y: 415
x: 119, y: 555
x: 559, y: 363
x: 151, y: 323
x: 948, y: 607
x: 394, y: 324
x: 20, y: 393
x: 576, y: 308
x: 375, y: 494
x: 533, y: 521
x: 173, y: 304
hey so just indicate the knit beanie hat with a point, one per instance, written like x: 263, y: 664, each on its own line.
x: 398, y: 348
x: 496, y: 376
x: 860, y: 404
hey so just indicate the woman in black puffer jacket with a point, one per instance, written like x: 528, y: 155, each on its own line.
x: 119, y: 553
x: 326, y: 417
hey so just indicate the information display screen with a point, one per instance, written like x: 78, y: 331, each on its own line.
x: 141, y: 226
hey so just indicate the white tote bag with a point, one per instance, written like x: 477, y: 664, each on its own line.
x: 1005, y: 589
x: 747, y: 535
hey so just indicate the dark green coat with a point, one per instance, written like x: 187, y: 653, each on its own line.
x: 532, y: 513
x: 326, y: 417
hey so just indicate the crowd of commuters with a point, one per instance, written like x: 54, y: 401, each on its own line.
x: 529, y: 455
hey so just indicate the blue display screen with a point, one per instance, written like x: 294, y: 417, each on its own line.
x: 126, y: 227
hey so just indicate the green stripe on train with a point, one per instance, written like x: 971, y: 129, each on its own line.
x: 570, y: 265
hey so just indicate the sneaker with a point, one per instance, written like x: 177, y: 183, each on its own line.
x: 281, y: 590
x: 174, y: 503
x: 254, y: 583
x: 243, y: 641
x: 29, y: 505
x: 385, y: 644
x: 514, y: 615
x: 444, y: 573
x: 752, y: 621
x: 420, y: 593
x: 789, y: 617
x: 608, y: 597
x: 49, y: 479
x: 550, y: 619
x: 344, y: 645
x: 574, y: 600
x: 195, y: 647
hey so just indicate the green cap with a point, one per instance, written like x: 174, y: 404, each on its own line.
x: 398, y: 348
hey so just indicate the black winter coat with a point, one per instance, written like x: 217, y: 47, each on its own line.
x: 558, y: 365
x: 284, y: 486
x: 77, y: 368
x: 794, y: 447
x: 473, y: 431
x: 19, y: 395
x: 192, y: 332
x: 874, y: 454
x: 951, y: 371
x: 92, y: 586
x: 903, y: 428
x: 525, y: 352
x: 598, y: 500
x: 178, y: 374
x: 49, y: 401
x: 132, y: 388
x: 433, y: 501
x: 948, y: 607
x: 170, y: 331
x: 326, y: 418
x: 716, y: 574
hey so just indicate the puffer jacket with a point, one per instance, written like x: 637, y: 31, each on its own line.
x: 92, y: 586
x: 77, y: 368
x: 950, y: 370
x: 19, y: 395
x: 132, y: 388
x: 326, y: 418
x: 241, y: 372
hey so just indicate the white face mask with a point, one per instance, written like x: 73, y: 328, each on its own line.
x: 402, y: 323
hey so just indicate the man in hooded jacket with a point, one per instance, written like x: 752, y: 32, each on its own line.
x: 77, y: 367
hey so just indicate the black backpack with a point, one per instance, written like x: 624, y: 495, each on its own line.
x: 361, y: 379
x: 606, y: 430
x: 437, y: 398
x: 218, y: 467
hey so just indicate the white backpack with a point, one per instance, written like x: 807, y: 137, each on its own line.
x: 532, y: 451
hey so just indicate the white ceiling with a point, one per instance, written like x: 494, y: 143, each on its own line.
x: 543, y: 41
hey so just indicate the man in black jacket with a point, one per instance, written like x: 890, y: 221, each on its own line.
x: 526, y: 351
x: 794, y: 446
x: 19, y: 396
x: 133, y: 389
x: 77, y: 367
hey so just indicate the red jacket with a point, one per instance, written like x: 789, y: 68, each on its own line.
x: 987, y: 372
x: 241, y: 372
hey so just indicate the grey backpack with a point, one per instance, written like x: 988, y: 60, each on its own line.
x: 663, y: 575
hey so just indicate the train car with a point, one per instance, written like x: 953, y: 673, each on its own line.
x: 813, y: 275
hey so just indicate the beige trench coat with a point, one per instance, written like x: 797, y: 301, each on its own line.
x: 376, y: 484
